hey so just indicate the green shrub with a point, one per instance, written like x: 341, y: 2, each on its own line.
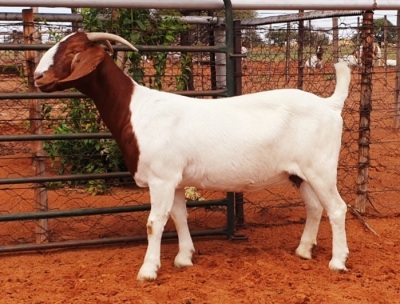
x: 83, y: 155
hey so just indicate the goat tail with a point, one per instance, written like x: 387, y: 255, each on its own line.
x: 343, y: 78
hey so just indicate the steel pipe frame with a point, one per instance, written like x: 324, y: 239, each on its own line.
x: 192, y: 19
x: 59, y: 95
x: 228, y: 202
x: 214, y: 4
x: 99, y: 211
x: 107, y: 241
x: 78, y: 18
x: 141, y: 48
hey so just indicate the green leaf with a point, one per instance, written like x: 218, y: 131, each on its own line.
x: 140, y: 25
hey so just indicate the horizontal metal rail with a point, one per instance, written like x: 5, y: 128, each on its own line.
x: 98, y: 211
x: 228, y: 230
x: 214, y: 4
x: 43, y: 17
x: 142, y: 48
x: 32, y: 95
x: 60, y: 95
x: 105, y: 241
x: 59, y: 178
x: 62, y: 178
x: 297, y: 17
x: 35, y: 137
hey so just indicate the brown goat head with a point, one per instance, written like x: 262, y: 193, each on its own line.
x: 74, y: 57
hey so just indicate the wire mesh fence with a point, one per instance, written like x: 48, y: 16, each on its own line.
x: 276, y: 65
x: 272, y: 61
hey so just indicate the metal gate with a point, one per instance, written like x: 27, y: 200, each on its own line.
x: 42, y: 214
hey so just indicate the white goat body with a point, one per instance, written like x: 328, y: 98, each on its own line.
x: 391, y: 62
x: 234, y: 144
x: 316, y: 61
x: 351, y: 60
x: 355, y: 59
x: 242, y: 143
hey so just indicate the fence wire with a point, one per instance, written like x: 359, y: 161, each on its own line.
x: 271, y: 62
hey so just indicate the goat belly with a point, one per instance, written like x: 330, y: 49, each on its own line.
x: 238, y: 177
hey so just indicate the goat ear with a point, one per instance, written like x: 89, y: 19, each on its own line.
x: 84, y: 63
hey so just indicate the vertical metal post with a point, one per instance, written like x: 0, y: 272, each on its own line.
x: 365, y: 111
x: 300, y: 50
x: 396, y: 122
x: 220, y: 58
x: 385, y: 32
x: 237, y: 50
x: 308, y: 36
x: 238, y: 197
x: 335, y: 42
x: 230, y: 214
x: 40, y: 192
x: 230, y: 81
x: 230, y: 91
x: 358, y: 43
x: 213, y: 71
x: 75, y: 25
x: 287, y: 57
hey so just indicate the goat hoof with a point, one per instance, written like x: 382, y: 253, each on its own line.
x: 182, y: 260
x: 336, y: 265
x: 304, y: 253
x: 147, y: 273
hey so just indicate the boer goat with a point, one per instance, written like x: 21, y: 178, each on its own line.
x: 355, y: 59
x: 316, y: 61
x: 232, y: 144
x: 174, y: 57
x: 391, y: 62
x: 351, y: 60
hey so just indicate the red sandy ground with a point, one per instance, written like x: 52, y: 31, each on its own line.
x: 262, y: 269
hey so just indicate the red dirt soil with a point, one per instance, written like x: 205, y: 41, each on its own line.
x: 262, y: 269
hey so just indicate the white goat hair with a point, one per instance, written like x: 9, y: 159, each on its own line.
x: 313, y: 62
x: 351, y: 60
x: 355, y: 59
x: 316, y: 61
x: 240, y: 143
x: 391, y: 62
x: 174, y: 57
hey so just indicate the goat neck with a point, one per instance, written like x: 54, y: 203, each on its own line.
x: 111, y: 90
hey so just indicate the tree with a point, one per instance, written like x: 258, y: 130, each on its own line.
x: 312, y: 37
x: 379, y: 27
x: 278, y: 36
x: 315, y: 37
x: 242, y: 15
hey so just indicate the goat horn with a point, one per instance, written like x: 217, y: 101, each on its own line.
x: 98, y: 36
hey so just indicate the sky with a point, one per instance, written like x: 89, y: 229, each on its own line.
x: 56, y: 10
x: 391, y: 16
